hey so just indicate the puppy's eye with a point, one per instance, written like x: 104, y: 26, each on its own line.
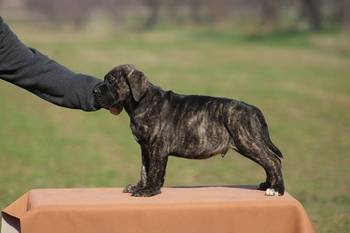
x: 111, y: 79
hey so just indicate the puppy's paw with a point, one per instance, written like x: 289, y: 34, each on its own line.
x: 146, y: 192
x: 130, y: 188
x: 264, y: 186
x: 271, y: 192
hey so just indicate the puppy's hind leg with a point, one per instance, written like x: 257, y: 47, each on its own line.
x: 270, y: 163
x: 249, y: 136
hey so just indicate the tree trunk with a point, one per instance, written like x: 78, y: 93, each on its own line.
x: 346, y: 21
x: 153, y: 6
x: 195, y: 9
x: 311, y: 10
x: 270, y: 12
x: 338, y: 12
x: 218, y: 10
x: 173, y: 6
x: 341, y: 13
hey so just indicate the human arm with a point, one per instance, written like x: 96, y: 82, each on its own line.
x: 35, y: 72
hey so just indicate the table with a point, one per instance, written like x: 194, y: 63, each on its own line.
x: 214, y: 209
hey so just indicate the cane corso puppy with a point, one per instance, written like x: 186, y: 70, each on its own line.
x: 189, y: 126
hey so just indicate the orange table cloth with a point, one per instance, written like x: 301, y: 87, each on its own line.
x: 233, y: 209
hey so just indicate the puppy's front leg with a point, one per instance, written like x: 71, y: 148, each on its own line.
x: 155, y: 177
x: 144, y: 171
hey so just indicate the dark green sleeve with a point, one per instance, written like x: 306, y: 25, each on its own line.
x: 35, y: 72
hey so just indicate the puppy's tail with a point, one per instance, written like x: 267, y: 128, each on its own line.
x: 266, y: 137
x: 273, y: 148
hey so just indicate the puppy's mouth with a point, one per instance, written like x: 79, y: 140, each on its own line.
x: 116, y: 109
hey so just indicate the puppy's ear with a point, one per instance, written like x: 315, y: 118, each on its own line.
x: 138, y: 84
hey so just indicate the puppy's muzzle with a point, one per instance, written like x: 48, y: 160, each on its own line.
x: 104, y: 96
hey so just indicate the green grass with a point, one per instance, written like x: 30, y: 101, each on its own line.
x: 300, y: 81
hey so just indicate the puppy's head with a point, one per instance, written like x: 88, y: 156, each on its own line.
x: 122, y: 84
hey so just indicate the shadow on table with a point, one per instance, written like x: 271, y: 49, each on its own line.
x: 250, y: 187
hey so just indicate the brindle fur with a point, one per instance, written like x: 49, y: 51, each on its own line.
x: 189, y: 126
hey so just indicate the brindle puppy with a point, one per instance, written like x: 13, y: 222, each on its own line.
x: 189, y: 126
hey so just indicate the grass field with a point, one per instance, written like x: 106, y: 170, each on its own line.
x: 301, y: 83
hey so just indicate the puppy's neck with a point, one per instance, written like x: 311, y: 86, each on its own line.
x: 134, y: 108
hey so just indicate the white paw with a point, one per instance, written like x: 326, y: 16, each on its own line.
x: 271, y: 192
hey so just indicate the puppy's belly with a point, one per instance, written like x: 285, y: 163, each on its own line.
x: 200, y: 140
x: 201, y: 151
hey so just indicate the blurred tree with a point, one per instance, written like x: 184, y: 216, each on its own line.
x: 173, y: 6
x: 346, y: 19
x: 76, y: 12
x: 153, y: 6
x: 64, y: 10
x: 341, y: 12
x: 115, y: 9
x: 195, y: 6
x: 270, y: 12
x: 311, y: 10
x: 218, y: 10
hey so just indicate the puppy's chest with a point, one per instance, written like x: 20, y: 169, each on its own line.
x: 142, y: 130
